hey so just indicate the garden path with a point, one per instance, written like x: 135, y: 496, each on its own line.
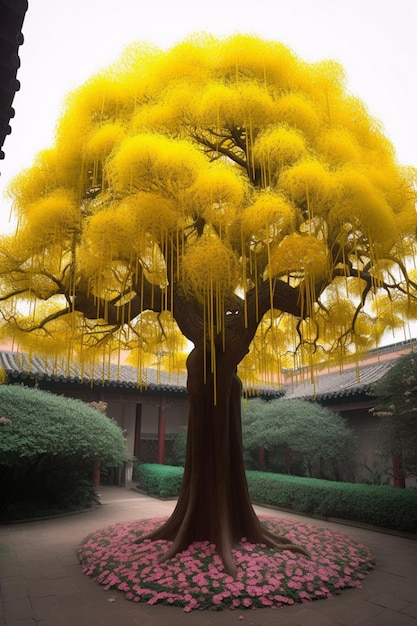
x: 42, y: 584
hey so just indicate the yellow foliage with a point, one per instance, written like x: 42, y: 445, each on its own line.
x: 217, y: 195
x: 339, y: 146
x: 106, y: 237
x: 244, y: 56
x: 58, y: 336
x: 162, y: 116
x: 97, y: 102
x: 361, y: 204
x: 190, y: 59
x: 256, y: 106
x: 220, y: 106
x: 311, y: 185
x: 296, y: 110
x: 397, y: 184
x: 148, y: 213
x: 326, y: 77
x: 278, y: 147
x: 268, y: 219
x: 210, y: 268
x: 210, y: 170
x: 120, y: 234
x: 35, y: 182
x: 103, y: 140
x: 53, y: 218
x: 299, y: 253
x: 156, y: 337
x: 152, y: 162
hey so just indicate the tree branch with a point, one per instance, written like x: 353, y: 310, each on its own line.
x: 219, y: 147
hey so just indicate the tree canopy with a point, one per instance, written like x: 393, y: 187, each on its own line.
x: 320, y: 436
x: 225, y: 187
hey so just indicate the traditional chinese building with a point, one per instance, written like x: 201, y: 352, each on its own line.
x: 152, y: 410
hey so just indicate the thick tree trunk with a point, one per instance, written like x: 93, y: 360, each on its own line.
x: 214, y: 503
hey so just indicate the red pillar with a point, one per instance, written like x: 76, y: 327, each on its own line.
x: 95, y: 475
x: 399, y: 480
x: 161, y: 432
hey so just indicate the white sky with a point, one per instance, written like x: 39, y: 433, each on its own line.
x: 68, y: 40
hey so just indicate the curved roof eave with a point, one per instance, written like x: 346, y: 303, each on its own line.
x: 20, y: 367
x: 12, y: 15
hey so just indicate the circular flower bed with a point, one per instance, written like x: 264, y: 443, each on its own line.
x: 195, y: 578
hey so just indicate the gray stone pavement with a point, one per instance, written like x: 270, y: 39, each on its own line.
x: 42, y: 584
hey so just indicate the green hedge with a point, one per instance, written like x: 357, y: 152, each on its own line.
x: 162, y: 481
x: 382, y: 506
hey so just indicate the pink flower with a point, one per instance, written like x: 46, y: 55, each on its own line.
x: 196, y: 578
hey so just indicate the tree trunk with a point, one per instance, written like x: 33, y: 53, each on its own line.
x: 214, y: 503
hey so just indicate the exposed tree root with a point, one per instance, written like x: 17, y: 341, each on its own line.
x: 224, y: 545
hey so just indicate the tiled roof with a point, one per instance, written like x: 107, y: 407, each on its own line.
x: 19, y: 366
x: 350, y: 382
x: 12, y: 14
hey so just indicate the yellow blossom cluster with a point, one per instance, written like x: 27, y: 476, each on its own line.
x: 208, y: 170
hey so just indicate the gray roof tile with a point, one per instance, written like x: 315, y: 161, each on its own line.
x: 19, y: 365
x: 349, y: 382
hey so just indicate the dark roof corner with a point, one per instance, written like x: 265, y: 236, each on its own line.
x: 12, y: 15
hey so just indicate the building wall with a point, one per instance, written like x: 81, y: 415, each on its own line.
x: 124, y: 413
x: 368, y: 466
x: 176, y: 415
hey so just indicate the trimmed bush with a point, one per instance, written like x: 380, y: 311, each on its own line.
x: 162, y: 481
x: 382, y: 506
x: 322, y: 444
x: 49, y: 446
x: 179, y: 448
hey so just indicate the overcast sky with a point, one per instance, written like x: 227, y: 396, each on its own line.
x: 68, y: 40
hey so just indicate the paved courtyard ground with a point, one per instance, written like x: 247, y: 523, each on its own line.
x: 41, y: 582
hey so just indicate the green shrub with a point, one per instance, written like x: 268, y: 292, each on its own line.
x: 49, y: 446
x: 163, y: 481
x: 179, y: 448
x: 322, y: 444
x: 382, y: 506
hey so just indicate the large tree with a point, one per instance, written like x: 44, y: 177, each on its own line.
x: 229, y: 188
